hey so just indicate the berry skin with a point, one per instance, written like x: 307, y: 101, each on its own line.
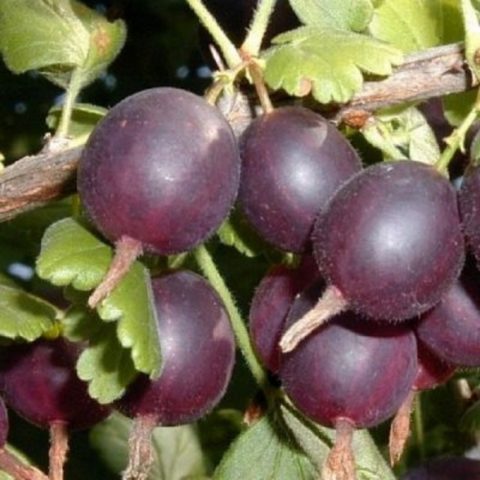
x: 161, y: 168
x: 452, y: 328
x: 350, y: 368
x: 198, y: 353
x: 469, y: 198
x: 270, y: 305
x: 293, y: 162
x: 390, y: 240
x: 38, y: 380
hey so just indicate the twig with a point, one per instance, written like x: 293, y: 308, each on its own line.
x: 34, y: 181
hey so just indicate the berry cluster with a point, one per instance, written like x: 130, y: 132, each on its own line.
x: 379, y: 246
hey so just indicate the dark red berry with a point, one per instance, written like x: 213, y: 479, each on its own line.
x: 350, y: 368
x: 390, y: 240
x: 39, y: 381
x: 270, y: 306
x: 161, y: 168
x: 198, y: 353
x: 293, y: 161
x: 452, y: 328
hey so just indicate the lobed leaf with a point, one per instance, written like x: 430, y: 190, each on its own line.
x: 23, y: 315
x: 353, y: 15
x: 178, y: 451
x: 403, y: 134
x: 410, y: 25
x: 72, y: 256
x: 327, y: 63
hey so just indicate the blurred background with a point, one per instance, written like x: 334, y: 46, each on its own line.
x: 161, y: 49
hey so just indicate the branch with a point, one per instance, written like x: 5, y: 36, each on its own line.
x: 431, y: 73
x: 36, y: 180
x: 33, y: 181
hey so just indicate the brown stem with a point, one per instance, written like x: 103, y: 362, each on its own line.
x: 14, y: 467
x: 400, y: 429
x: 340, y: 462
x: 331, y: 303
x: 35, y: 180
x: 262, y: 92
x: 58, y: 450
x: 141, y: 456
x: 127, y: 250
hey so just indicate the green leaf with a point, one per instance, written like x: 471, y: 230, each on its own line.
x: 178, y: 451
x: 71, y: 255
x: 327, y: 63
x: 83, y: 121
x: 410, y: 25
x: 104, y: 363
x: 266, y: 451
x: 40, y: 34
x: 315, y: 441
x: 458, y: 105
x: 235, y: 232
x: 57, y: 37
x: 453, y: 30
x: 23, y: 315
x: 472, y: 36
x: 403, y: 134
x: 106, y: 366
x: 354, y: 15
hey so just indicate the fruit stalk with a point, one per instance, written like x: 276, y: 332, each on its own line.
x: 208, y: 267
x: 15, y: 468
x: 58, y: 450
x: 330, y: 303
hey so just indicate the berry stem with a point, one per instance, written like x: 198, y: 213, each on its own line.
x: 258, y: 27
x: 58, y: 450
x: 330, y: 303
x: 400, y: 429
x: 228, y: 49
x: 141, y: 454
x: 457, y: 138
x: 340, y: 462
x: 257, y: 76
x: 208, y: 267
x: 14, y: 467
x: 127, y: 250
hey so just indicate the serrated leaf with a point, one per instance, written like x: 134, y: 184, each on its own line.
x: 354, y: 15
x: 403, y: 134
x: 57, y: 37
x: 452, y: 30
x: 83, y: 120
x: 104, y: 363
x: 106, y: 366
x: 178, y: 451
x: 235, y: 232
x: 410, y: 25
x: 327, y: 63
x: 71, y: 255
x: 23, y: 315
